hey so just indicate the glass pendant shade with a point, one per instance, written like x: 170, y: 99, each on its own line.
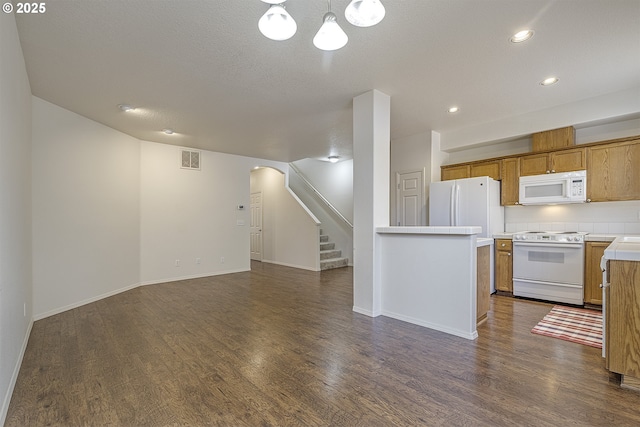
x: 330, y: 36
x: 277, y: 24
x: 364, y: 13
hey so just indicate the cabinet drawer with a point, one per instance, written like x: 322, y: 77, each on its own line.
x: 504, y: 245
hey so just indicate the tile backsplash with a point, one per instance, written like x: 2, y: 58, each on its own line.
x: 596, y: 218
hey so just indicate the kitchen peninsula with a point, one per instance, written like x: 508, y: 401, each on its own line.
x: 428, y: 276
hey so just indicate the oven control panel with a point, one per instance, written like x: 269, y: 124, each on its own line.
x: 549, y: 237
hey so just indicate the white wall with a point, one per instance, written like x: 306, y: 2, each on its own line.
x: 189, y: 214
x: 290, y: 235
x: 597, y: 217
x: 15, y: 209
x: 584, y: 135
x: 611, y: 107
x: 333, y: 180
x: 86, y: 201
x: 409, y: 155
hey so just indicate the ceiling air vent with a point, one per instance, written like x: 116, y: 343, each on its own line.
x: 190, y: 160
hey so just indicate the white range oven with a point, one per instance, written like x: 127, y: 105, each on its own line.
x: 549, y: 265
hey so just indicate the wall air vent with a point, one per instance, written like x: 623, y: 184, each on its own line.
x: 190, y: 159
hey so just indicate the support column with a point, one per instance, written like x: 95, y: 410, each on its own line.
x: 371, y: 168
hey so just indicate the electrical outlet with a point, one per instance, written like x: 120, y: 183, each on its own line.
x: 197, y: 260
x: 221, y: 260
x: 177, y: 263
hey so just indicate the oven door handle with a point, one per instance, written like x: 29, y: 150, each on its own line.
x: 536, y: 282
x: 550, y: 245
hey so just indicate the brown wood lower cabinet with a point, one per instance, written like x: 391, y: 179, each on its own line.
x: 623, y: 318
x: 593, y: 272
x: 483, y: 283
x: 504, y: 266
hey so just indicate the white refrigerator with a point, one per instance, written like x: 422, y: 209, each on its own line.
x: 467, y: 202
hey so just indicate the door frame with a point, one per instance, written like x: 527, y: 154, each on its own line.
x: 423, y: 218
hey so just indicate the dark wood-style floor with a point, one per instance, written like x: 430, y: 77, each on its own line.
x: 280, y: 346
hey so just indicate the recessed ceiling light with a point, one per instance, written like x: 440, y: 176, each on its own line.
x: 453, y: 110
x: 549, y: 81
x: 168, y: 131
x: 126, y: 107
x: 521, y: 36
x: 333, y: 159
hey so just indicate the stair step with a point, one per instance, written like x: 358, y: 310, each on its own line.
x: 324, y: 238
x: 332, y: 263
x: 333, y: 253
x: 327, y: 246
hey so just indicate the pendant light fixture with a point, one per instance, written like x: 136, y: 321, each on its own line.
x: 364, y: 13
x: 276, y: 24
x: 330, y: 36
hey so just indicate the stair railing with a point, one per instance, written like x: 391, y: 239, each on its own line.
x: 320, y: 196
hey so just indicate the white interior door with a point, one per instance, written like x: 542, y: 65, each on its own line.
x: 410, y: 198
x: 256, y: 226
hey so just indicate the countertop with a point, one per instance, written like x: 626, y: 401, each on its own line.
x: 624, y: 248
x: 593, y: 237
x: 484, y: 241
x: 461, y: 231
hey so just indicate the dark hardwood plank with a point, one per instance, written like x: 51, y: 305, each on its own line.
x: 281, y: 346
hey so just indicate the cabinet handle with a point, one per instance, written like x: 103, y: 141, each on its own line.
x: 553, y: 171
x: 517, y: 203
x: 600, y: 285
x: 548, y: 172
x: 503, y: 244
x: 588, y: 200
x: 508, y: 253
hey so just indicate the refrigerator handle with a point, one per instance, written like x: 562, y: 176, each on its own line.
x: 452, y: 207
x: 457, y: 206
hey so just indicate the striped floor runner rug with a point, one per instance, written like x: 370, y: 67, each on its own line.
x: 572, y: 324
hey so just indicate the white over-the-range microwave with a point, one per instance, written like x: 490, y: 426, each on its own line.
x: 553, y: 188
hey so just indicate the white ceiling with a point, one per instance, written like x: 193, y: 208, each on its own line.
x: 202, y: 67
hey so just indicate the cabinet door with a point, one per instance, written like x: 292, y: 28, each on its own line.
x: 613, y: 172
x: 534, y: 164
x: 483, y: 281
x: 490, y: 169
x: 510, y: 191
x: 593, y: 273
x: 553, y: 139
x: 454, y: 172
x: 623, y: 336
x: 568, y: 160
x: 504, y: 266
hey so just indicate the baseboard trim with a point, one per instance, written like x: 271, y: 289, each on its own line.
x: 14, y: 376
x: 84, y: 302
x: 128, y: 288
x: 462, y: 334
x: 194, y: 276
x: 302, y: 267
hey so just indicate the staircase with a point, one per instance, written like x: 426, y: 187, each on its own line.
x: 330, y: 257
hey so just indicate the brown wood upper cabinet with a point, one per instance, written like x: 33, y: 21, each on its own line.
x: 510, y: 188
x: 454, y: 172
x: 492, y: 169
x: 553, y: 139
x: 558, y: 161
x: 613, y: 171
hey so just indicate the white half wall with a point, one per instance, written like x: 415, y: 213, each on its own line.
x: 290, y: 235
x: 86, y: 200
x: 15, y: 209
